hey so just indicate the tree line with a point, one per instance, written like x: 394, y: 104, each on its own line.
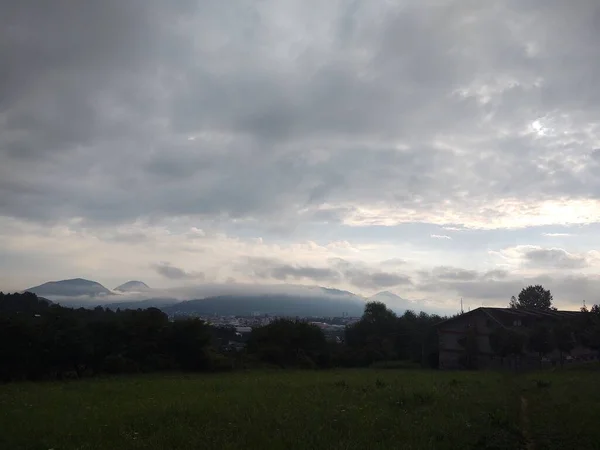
x: 42, y: 340
x: 39, y: 340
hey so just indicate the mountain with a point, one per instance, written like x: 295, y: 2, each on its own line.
x: 70, y: 288
x: 133, y: 286
x: 275, y: 304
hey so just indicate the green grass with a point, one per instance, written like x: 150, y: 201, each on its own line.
x: 346, y: 409
x: 564, y: 408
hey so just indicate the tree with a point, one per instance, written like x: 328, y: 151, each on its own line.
x: 533, y: 297
x: 375, y: 335
x: 589, y: 332
x: 288, y: 343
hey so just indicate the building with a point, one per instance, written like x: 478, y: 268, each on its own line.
x: 480, y: 323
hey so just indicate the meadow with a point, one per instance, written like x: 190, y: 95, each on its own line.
x: 344, y: 409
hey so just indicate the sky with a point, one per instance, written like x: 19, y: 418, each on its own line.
x: 435, y: 149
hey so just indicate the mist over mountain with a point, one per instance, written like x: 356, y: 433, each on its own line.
x: 75, y: 287
x: 222, y: 299
x: 285, y: 305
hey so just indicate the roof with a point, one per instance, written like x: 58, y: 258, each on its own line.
x: 494, y: 313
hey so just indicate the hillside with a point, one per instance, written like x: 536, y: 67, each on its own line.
x: 70, y: 288
x: 289, y: 305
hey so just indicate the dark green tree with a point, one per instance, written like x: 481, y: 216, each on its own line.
x: 533, y: 297
x: 589, y: 331
x: 287, y: 342
x: 375, y: 335
x: 188, y: 342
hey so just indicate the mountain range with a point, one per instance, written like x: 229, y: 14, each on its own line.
x: 299, y: 301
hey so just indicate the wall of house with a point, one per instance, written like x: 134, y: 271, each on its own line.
x: 451, y: 351
x: 450, y: 334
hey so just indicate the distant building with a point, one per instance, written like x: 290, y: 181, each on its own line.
x: 482, y: 322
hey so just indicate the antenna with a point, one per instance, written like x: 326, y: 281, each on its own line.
x: 461, y: 306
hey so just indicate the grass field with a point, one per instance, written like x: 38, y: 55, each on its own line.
x: 347, y: 409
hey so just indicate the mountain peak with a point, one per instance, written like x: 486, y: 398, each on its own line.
x: 133, y: 286
x: 70, y: 288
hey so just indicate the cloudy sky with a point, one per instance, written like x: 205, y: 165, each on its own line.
x: 434, y: 149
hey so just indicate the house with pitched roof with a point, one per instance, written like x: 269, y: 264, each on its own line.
x: 462, y: 336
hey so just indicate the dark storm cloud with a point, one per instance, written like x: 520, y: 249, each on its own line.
x: 112, y: 110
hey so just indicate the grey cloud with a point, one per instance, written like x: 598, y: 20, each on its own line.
x: 365, y: 277
x: 338, y: 270
x: 272, y: 268
x: 99, y: 99
x: 175, y: 273
x: 452, y: 273
x: 376, y: 280
x: 444, y: 278
x: 496, y: 274
x: 554, y: 257
x: 286, y: 272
